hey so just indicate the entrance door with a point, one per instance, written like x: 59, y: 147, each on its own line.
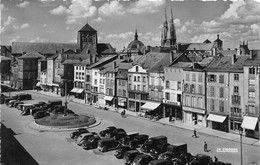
x: 137, y: 107
x: 195, y: 118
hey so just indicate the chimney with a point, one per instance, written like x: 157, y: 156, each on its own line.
x: 90, y: 59
x: 114, y: 64
x: 251, y: 54
x: 171, y: 56
x: 234, y: 59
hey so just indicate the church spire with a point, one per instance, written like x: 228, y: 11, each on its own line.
x: 136, y: 35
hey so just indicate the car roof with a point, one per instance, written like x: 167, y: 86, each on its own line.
x: 85, y: 134
x: 132, y: 151
x: 27, y: 104
x: 132, y: 133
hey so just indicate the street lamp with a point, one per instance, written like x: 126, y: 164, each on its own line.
x: 241, y: 133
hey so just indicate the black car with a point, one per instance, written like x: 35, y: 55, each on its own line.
x: 129, y: 136
x: 138, y: 140
x: 107, y: 144
x: 142, y: 159
x: 40, y: 114
x: 115, y: 132
x: 91, y: 143
x: 107, y: 130
x: 78, y: 132
x: 200, y: 159
x: 121, y: 150
x: 129, y: 156
x: 168, y: 156
x: 24, y: 96
x: 9, y: 99
x: 17, y: 103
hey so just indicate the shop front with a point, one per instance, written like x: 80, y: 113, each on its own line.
x: 172, y: 109
x: 234, y: 124
x: 194, y: 116
x: 152, y: 110
x: 122, y: 102
x: 251, y: 126
x: 218, y: 122
x: 101, y: 100
x: 80, y: 93
x: 109, y: 101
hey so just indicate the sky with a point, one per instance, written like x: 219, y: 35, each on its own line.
x: 116, y: 21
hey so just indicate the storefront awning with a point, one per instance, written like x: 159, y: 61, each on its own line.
x: 216, y: 118
x: 249, y: 122
x: 38, y: 84
x: 150, y: 105
x: 108, y: 98
x: 80, y: 90
x: 74, y: 90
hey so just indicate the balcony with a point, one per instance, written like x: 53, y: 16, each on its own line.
x: 160, y: 88
x: 152, y: 87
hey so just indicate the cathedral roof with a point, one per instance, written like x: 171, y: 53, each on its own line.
x: 87, y: 28
x: 135, y: 44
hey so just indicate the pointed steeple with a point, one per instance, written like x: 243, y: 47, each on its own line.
x: 136, y: 35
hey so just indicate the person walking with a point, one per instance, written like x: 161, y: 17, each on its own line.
x: 215, y: 159
x: 205, y: 147
x: 194, y: 133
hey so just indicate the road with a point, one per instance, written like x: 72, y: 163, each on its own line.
x: 57, y: 148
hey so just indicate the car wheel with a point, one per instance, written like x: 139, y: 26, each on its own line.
x: 104, y: 149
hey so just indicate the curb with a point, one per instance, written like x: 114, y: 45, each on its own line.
x: 42, y: 128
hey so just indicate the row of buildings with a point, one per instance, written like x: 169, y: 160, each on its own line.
x: 196, y: 83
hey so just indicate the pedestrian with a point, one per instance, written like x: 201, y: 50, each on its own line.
x: 215, y: 159
x: 205, y: 147
x: 194, y: 133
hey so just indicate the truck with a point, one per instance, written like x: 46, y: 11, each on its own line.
x: 154, y: 143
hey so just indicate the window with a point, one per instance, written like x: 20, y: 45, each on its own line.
x: 104, y: 81
x: 138, y: 78
x: 187, y: 100
x: 187, y: 77
x: 221, y: 78
x: 130, y: 86
x: 134, y: 87
x: 167, y: 96
x: 199, y: 105
x: 221, y: 92
x: 77, y: 75
x: 193, y: 77
x: 95, y: 89
x: 193, y: 101
x: 144, y: 88
x: 200, y: 77
x: 251, y: 94
x: 95, y: 73
x: 212, y: 104
x: 124, y: 93
x: 236, y: 99
x: 134, y: 78
x: 82, y: 77
x: 236, y: 77
x: 186, y: 87
x: 221, y: 106
x: 88, y: 78
x: 167, y: 85
x: 192, y: 88
x: 200, y: 89
x: 179, y: 97
x: 236, y: 89
x: 95, y: 82
x: 251, y: 82
x: 212, y: 78
x: 136, y: 68
x: 130, y: 77
x: 152, y: 80
x: 178, y: 85
x: 138, y: 87
x: 100, y: 81
x: 144, y: 79
x: 252, y: 70
x: 212, y: 91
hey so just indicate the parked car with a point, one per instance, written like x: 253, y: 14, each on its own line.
x: 160, y: 162
x: 39, y: 104
x: 129, y: 156
x: 85, y: 136
x: 17, y: 103
x: 27, y: 107
x: 138, y: 140
x: 168, y: 155
x: 54, y: 102
x: 142, y: 159
x: 11, y: 103
x: 114, y: 132
x: 20, y: 107
x: 107, y: 130
x: 154, y: 143
x: 200, y: 159
x: 107, y: 144
x: 24, y: 96
x: 8, y: 99
x: 91, y: 143
x: 78, y: 132
x: 35, y: 110
x: 178, y: 148
x: 121, y: 150
x: 119, y: 135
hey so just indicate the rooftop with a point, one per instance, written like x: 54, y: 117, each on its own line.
x: 31, y: 55
x: 200, y: 46
x: 87, y: 28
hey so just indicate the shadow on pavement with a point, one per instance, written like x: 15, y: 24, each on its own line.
x: 12, y: 152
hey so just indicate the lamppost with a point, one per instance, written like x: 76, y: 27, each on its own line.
x: 241, y: 151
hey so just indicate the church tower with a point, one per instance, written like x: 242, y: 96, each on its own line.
x: 87, y: 39
x: 169, y: 33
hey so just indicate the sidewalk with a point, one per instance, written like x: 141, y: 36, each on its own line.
x: 178, y: 124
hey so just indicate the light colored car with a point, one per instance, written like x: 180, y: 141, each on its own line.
x: 84, y: 136
x: 11, y: 103
x: 27, y: 106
